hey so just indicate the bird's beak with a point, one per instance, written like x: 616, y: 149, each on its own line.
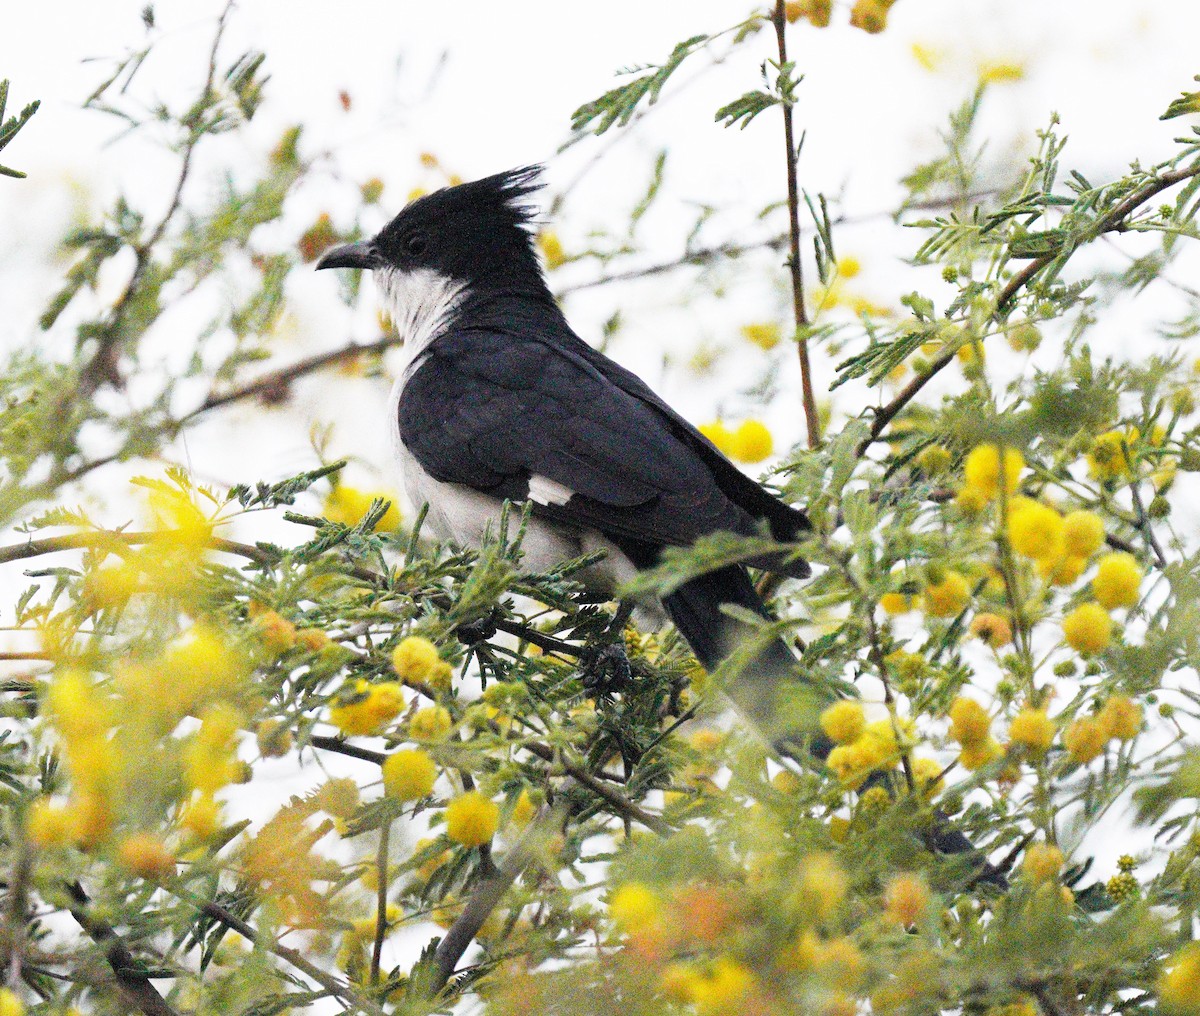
x: 350, y: 255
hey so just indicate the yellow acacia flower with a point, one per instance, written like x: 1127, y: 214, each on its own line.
x: 634, y: 906
x: 993, y: 630
x: 276, y: 633
x: 1118, y: 580
x: 719, y: 435
x: 995, y: 72
x: 524, y: 809
x: 146, y: 856
x: 969, y: 721
x: 348, y: 505
x: 869, y: 15
x: 897, y: 603
x: 430, y: 724
x: 1042, y: 862
x: 905, y: 899
x: 471, y: 819
x: 1122, y: 717
x: 981, y: 470
x: 1035, y: 530
x: 1083, y: 533
x: 552, y: 249
x: 949, y: 596
x: 723, y: 988
x: 927, y: 773
x: 416, y: 659
x: 365, y: 708
x: 764, y: 334
x: 47, y: 824
x: 934, y: 460
x: 201, y: 816
x: 10, y: 1003
x: 1062, y: 571
x: 1179, y: 984
x: 1033, y: 729
x: 844, y: 722
x: 1088, y: 629
x: 978, y: 754
x: 409, y: 774
x: 751, y: 442
x: 1085, y: 739
x: 849, y: 765
x: 1109, y: 457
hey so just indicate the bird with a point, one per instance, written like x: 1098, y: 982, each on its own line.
x: 497, y: 399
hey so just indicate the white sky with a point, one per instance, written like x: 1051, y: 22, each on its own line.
x: 513, y: 73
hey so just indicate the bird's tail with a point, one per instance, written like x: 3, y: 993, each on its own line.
x: 769, y: 689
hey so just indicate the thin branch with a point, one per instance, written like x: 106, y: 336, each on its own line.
x: 487, y: 894
x: 381, y: 875
x: 134, y: 985
x: 811, y: 418
x: 337, y: 988
x: 1114, y: 220
x: 1144, y: 524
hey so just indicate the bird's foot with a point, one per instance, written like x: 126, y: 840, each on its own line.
x: 605, y: 669
x: 479, y: 630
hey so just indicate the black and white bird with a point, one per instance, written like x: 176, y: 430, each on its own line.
x: 498, y: 399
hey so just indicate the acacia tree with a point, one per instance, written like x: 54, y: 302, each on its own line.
x: 1001, y: 581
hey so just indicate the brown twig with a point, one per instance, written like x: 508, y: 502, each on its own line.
x: 134, y: 985
x: 800, y: 313
x: 488, y: 892
x: 336, y: 988
x: 1114, y: 220
x: 381, y: 874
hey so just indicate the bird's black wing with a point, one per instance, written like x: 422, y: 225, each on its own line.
x: 493, y: 410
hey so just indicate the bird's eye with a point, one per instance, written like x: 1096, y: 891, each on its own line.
x: 414, y: 244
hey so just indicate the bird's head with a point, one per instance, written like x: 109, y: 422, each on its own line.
x: 474, y: 236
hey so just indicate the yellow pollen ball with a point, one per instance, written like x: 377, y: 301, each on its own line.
x: 348, y: 505
x: 844, y: 722
x: 1042, y: 862
x: 11, y: 1004
x: 992, y: 630
x: 1083, y: 533
x: 977, y: 754
x: 906, y: 899
x: 765, y: 335
x: 1063, y: 571
x: 1035, y: 530
x: 471, y: 819
x: 969, y: 721
x: 1179, y: 984
x: 634, y: 907
x: 927, y: 773
x: 1122, y: 717
x: 1118, y: 579
x: 1085, y: 739
x: 719, y: 435
x: 1087, y: 629
x: 948, y: 597
x: 1033, y: 729
x: 981, y: 470
x: 47, y: 824
x: 896, y: 603
x: 430, y: 724
x: 408, y: 774
x: 415, y: 659
x: 146, y: 856
x: 751, y: 442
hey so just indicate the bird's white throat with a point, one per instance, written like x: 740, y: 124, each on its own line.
x: 421, y: 304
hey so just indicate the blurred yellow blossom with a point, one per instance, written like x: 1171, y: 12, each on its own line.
x: 365, y: 708
x: 1118, y: 580
x: 409, y: 774
x: 981, y: 470
x: 1122, y: 717
x: 1033, y: 729
x: 552, y: 249
x: 751, y: 442
x: 1083, y: 533
x: 764, y: 334
x: 1087, y: 629
x: 1035, y: 530
x: 348, y: 505
x: 844, y: 722
x: 719, y: 435
x: 471, y: 819
x: 949, y: 596
x: 1085, y: 738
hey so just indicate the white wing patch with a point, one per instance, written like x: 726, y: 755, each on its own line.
x: 421, y: 304
x: 544, y: 490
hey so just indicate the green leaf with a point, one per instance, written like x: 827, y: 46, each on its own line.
x: 745, y: 108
